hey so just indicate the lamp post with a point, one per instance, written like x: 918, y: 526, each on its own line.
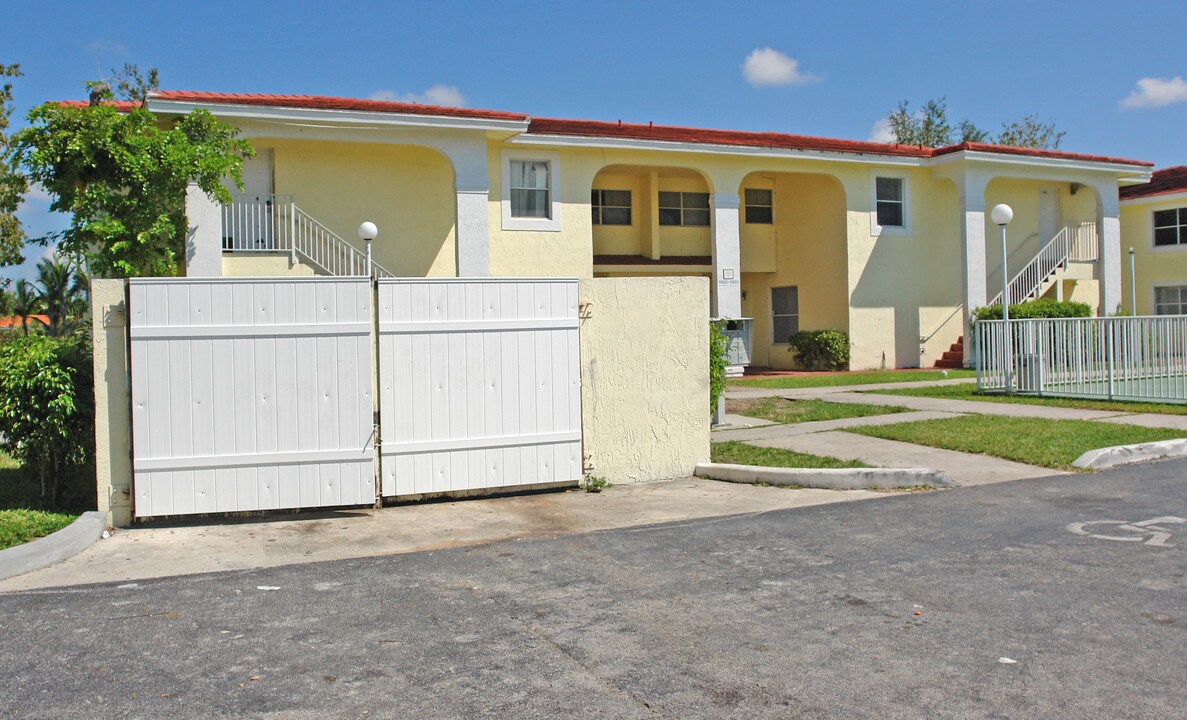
x: 1001, y: 215
x: 368, y: 231
x: 1133, y: 288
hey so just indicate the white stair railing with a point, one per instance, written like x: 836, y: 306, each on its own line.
x: 1076, y: 242
x: 274, y: 223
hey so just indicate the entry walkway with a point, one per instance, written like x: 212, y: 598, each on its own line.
x: 827, y: 437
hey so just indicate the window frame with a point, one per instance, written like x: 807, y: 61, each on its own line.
x: 905, y: 179
x: 795, y: 315
x: 746, y: 205
x: 600, y: 206
x: 552, y: 223
x: 684, y: 208
x: 1182, y: 226
x: 1182, y: 288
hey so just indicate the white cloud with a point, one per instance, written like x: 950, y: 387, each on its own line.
x: 439, y: 94
x: 767, y: 66
x: 1156, y: 92
x: 881, y: 131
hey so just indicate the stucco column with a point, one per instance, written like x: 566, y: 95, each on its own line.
x: 204, y: 236
x: 972, y: 249
x: 113, y: 423
x: 726, y: 288
x: 1108, y: 229
x: 472, y: 186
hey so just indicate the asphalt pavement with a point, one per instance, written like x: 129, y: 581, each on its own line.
x: 1043, y: 598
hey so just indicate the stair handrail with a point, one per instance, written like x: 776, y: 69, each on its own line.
x: 1050, y: 258
x: 927, y: 338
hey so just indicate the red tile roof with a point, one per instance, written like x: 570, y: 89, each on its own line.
x: 15, y: 321
x: 1032, y: 152
x: 669, y: 133
x: 319, y: 102
x: 1162, y: 182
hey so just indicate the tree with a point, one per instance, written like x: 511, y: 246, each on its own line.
x: 12, y: 181
x: 929, y: 126
x: 25, y: 302
x: 59, y: 290
x: 122, y: 176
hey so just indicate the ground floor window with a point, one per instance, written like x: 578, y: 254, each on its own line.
x: 1170, y: 300
x: 785, y: 313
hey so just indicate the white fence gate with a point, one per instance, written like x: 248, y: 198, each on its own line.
x: 480, y: 384
x: 255, y: 393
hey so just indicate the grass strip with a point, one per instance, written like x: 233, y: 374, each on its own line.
x: 740, y: 453
x: 21, y: 526
x: 787, y: 412
x: 1034, y: 441
x: 851, y: 378
x: 968, y: 391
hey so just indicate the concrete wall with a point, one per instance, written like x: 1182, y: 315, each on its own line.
x: 644, y: 376
x: 262, y: 265
x: 1153, y: 266
x: 113, y: 424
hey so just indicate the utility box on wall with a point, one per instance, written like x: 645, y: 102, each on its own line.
x: 740, y: 332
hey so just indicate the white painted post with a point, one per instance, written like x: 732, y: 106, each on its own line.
x: 726, y: 296
x: 1108, y: 224
x: 972, y: 249
x: 473, y: 236
x: 204, y: 236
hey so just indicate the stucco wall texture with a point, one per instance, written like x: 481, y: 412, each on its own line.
x: 113, y: 424
x: 644, y: 376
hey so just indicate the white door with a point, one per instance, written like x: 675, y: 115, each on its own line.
x: 1048, y: 215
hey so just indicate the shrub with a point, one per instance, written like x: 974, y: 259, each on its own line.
x: 821, y: 349
x: 47, y: 411
x: 719, y: 344
x: 1041, y: 308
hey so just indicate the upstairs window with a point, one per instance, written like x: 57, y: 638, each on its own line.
x: 611, y: 207
x: 1170, y: 300
x: 760, y: 206
x: 1170, y: 227
x: 890, y: 204
x: 785, y: 313
x: 684, y: 208
x: 530, y: 189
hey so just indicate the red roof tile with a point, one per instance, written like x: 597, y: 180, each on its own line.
x: 15, y: 321
x: 320, y: 102
x: 1162, y: 182
x: 1033, y: 152
x: 669, y: 133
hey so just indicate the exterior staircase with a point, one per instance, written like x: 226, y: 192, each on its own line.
x: 1076, y: 242
x: 953, y: 357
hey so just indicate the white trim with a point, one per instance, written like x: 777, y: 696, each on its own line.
x: 877, y: 230
x: 1165, y: 197
x: 1178, y: 247
x: 456, y: 326
x: 345, y: 117
x: 293, y: 457
x: 1136, y: 172
x: 391, y: 447
x: 552, y: 223
x: 1153, y: 294
x: 194, y: 332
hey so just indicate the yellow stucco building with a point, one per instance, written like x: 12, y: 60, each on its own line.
x: 890, y: 243
x: 1154, y: 232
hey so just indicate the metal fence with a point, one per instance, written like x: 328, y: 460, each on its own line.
x: 1122, y: 358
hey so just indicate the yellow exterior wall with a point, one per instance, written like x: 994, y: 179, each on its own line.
x: 809, y: 244
x: 758, y: 240
x: 407, y: 191
x: 679, y: 240
x: 113, y: 424
x: 623, y: 239
x: 644, y: 404
x: 262, y: 265
x: 1152, y: 266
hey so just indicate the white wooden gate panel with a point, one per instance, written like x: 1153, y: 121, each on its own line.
x: 250, y: 394
x: 480, y: 383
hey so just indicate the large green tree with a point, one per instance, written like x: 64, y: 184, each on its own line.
x: 121, y: 174
x: 930, y: 126
x: 12, y: 181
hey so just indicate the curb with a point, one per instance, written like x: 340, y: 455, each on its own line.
x: 45, y: 551
x: 1125, y: 454
x: 828, y: 479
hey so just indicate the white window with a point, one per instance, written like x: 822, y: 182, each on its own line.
x: 684, y: 208
x: 611, y: 207
x: 1170, y: 227
x: 530, y: 192
x: 891, y: 199
x: 760, y: 206
x: 785, y: 313
x: 1170, y: 300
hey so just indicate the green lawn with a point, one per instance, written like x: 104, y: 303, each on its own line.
x: 851, y: 378
x: 782, y: 410
x: 968, y: 391
x: 1035, y: 441
x: 19, y: 523
x: 739, y: 453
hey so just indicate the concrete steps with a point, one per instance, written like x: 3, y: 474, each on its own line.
x: 953, y: 357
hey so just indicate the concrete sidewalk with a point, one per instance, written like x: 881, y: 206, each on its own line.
x: 215, y: 545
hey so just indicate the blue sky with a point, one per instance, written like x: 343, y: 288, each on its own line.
x: 1113, y: 77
